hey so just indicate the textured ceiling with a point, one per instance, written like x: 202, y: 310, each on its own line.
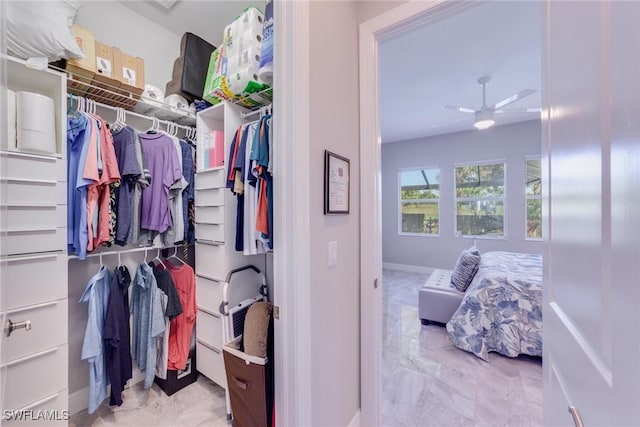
x: 431, y: 66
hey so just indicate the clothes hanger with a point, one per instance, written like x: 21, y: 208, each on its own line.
x: 91, y: 107
x: 119, y: 260
x: 101, y: 263
x: 157, y: 258
x: 175, y: 255
x: 75, y: 110
x: 118, y: 124
x: 152, y: 129
x: 115, y: 124
x: 70, y: 104
x: 123, y: 118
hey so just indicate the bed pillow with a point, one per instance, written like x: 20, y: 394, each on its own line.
x: 42, y: 29
x: 465, y: 269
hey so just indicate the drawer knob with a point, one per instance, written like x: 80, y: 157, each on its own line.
x: 11, y: 326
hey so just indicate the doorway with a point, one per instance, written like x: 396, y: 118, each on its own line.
x: 433, y: 147
x: 590, y: 135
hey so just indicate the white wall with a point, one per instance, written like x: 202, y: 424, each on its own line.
x: 370, y: 9
x: 510, y: 142
x: 335, y: 292
x: 116, y: 25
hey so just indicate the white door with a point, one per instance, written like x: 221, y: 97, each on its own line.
x: 591, y: 85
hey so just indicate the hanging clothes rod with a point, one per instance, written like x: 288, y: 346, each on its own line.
x: 141, y: 116
x: 262, y: 111
x: 126, y: 251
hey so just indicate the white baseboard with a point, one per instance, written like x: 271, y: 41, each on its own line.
x: 79, y: 400
x: 355, y: 421
x: 406, y: 267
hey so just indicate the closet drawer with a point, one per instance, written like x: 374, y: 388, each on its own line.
x: 209, y: 294
x: 210, y: 214
x: 33, y: 166
x: 210, y: 232
x: 33, y: 240
x: 210, y: 363
x: 35, y: 377
x: 211, y: 178
x: 56, y: 402
x: 34, y: 216
x: 211, y: 261
x: 209, y: 329
x: 28, y: 191
x: 48, y: 329
x: 33, y: 280
x: 211, y: 197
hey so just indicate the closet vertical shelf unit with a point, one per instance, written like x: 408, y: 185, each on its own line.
x: 33, y: 259
x: 215, y: 243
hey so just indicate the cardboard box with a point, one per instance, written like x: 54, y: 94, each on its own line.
x: 104, y: 60
x: 130, y: 72
x: 105, y: 86
x: 126, y: 99
x: 82, y: 70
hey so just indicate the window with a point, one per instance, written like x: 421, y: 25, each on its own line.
x: 533, y: 196
x: 419, y: 201
x: 480, y: 190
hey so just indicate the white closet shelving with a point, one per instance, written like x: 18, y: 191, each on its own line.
x: 33, y: 259
x: 215, y: 244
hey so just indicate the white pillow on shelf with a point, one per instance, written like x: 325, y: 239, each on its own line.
x: 42, y: 29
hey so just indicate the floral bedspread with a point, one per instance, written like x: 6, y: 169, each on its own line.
x: 502, y: 308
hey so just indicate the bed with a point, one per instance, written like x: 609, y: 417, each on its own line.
x: 502, y: 309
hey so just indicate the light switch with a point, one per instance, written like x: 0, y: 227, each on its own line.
x: 333, y: 254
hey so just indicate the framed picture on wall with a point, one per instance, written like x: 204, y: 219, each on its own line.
x: 336, y: 184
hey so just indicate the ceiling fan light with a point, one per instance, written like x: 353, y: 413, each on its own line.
x: 484, y: 124
x: 483, y: 119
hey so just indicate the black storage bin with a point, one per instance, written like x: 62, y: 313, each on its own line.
x: 250, y: 384
x: 190, y: 68
x: 177, y: 380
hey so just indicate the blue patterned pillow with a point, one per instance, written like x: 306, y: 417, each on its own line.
x: 465, y: 269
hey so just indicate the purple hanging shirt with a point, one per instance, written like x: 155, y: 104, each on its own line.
x: 162, y: 160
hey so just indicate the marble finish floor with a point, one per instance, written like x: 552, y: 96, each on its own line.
x: 427, y: 381
x: 199, y: 404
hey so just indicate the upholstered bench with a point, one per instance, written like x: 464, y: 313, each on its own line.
x: 438, y: 299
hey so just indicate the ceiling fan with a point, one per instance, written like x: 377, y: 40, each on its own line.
x: 484, y: 117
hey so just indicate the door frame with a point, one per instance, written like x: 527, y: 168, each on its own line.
x: 383, y: 27
x: 292, y: 255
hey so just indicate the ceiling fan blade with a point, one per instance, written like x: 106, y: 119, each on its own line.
x: 520, y: 110
x: 513, y: 98
x: 460, y: 109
